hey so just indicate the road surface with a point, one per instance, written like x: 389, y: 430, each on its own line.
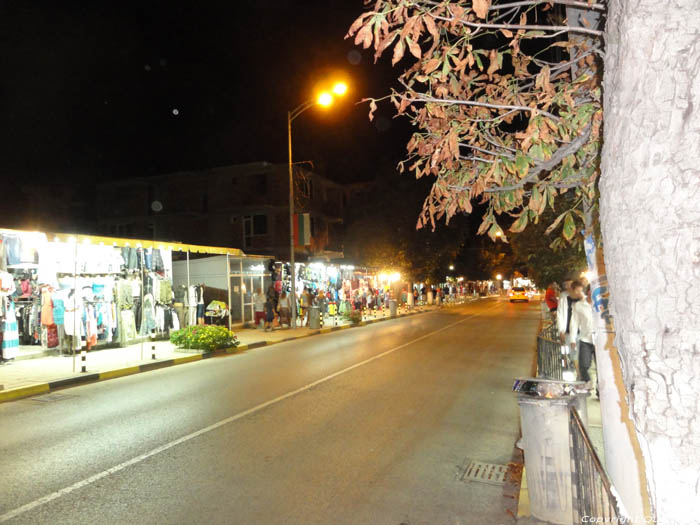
x: 370, y: 425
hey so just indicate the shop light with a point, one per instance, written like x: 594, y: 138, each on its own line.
x: 72, y: 240
x: 395, y: 277
x: 56, y: 239
x: 383, y: 277
x: 347, y: 267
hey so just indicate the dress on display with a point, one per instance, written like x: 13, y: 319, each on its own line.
x: 10, y: 333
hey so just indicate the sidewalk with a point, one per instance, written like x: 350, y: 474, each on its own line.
x: 31, y: 377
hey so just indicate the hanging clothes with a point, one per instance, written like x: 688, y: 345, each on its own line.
x: 10, y: 333
x: 46, y: 307
x: 148, y: 316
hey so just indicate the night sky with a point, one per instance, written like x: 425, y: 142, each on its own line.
x: 89, y: 89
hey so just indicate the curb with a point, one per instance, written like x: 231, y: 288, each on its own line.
x: 43, y: 388
x: 14, y: 394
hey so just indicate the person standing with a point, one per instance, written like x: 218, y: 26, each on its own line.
x: 284, y: 310
x: 259, y: 307
x: 564, y: 306
x: 551, y: 297
x: 581, y: 329
x: 269, y: 313
x: 305, y: 304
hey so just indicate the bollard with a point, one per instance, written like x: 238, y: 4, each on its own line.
x: 83, y: 360
x: 153, y: 344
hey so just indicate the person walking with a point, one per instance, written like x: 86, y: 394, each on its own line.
x: 259, y: 307
x: 581, y: 329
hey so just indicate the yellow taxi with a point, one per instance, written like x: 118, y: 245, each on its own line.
x: 518, y: 293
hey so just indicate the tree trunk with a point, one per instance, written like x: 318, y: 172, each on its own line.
x: 650, y: 215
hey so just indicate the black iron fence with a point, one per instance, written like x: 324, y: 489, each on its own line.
x: 551, y: 362
x: 592, y: 495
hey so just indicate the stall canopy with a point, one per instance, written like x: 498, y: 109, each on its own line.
x: 141, y: 243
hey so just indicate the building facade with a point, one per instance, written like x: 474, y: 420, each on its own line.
x: 243, y: 206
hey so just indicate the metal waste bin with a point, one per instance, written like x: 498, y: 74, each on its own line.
x: 314, y: 317
x: 544, y: 420
x: 392, y: 307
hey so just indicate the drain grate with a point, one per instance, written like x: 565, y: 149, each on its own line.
x: 484, y: 473
x: 50, y: 398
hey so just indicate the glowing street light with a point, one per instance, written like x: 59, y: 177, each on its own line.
x: 452, y: 266
x: 499, y: 277
x: 340, y: 88
x: 324, y: 99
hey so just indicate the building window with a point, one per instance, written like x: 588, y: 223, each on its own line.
x: 253, y: 225
x: 261, y: 183
x: 259, y: 224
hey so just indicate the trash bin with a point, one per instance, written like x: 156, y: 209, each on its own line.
x: 544, y: 420
x: 392, y: 307
x: 314, y: 317
x: 430, y: 297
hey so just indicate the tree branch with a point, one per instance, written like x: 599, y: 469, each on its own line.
x: 559, y: 155
x: 572, y: 3
x: 477, y: 148
x: 477, y: 25
x: 425, y: 98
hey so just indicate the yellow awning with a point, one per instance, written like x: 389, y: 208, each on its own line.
x: 133, y: 243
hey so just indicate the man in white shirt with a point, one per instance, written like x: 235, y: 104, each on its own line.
x: 564, y: 308
x: 581, y: 330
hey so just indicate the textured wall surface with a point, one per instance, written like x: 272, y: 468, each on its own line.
x: 650, y: 209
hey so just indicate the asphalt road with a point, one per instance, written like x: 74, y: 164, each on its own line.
x: 370, y: 425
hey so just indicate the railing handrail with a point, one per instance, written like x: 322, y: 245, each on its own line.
x: 576, y: 426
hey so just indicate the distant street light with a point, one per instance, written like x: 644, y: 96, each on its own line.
x: 324, y: 99
x: 452, y: 266
x: 499, y: 277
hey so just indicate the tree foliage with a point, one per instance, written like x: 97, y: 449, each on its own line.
x: 506, y: 102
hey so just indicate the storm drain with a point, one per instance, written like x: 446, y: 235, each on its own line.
x: 50, y: 398
x: 484, y: 473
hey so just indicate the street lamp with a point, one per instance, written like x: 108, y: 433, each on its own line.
x: 452, y: 266
x: 324, y: 99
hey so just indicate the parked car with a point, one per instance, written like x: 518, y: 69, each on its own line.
x: 518, y: 293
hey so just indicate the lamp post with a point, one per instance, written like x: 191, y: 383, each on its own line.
x: 324, y: 99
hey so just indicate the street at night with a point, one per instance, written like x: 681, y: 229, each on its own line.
x: 350, y: 262
x: 371, y: 425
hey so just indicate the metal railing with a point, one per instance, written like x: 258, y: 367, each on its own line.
x: 551, y: 362
x: 591, y: 491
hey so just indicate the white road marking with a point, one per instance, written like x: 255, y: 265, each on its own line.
x: 138, y: 459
